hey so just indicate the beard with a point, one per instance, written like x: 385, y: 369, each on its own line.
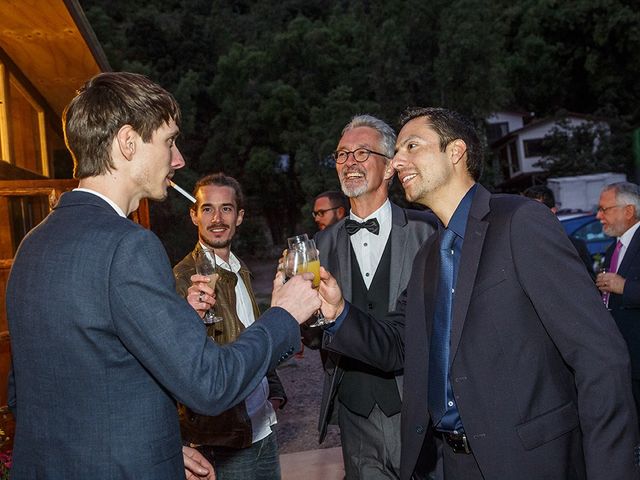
x: 222, y: 243
x: 353, y: 191
x: 218, y: 242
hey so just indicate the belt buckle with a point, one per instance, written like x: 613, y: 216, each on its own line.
x: 458, y: 442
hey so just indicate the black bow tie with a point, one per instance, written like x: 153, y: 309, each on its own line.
x: 352, y: 226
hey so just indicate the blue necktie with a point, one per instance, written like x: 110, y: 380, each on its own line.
x: 441, y: 333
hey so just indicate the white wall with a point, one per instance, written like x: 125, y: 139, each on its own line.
x: 582, y: 192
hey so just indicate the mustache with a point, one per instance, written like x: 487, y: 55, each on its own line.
x: 361, y: 171
x: 217, y: 225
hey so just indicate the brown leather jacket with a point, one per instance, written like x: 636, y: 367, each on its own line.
x: 231, y: 428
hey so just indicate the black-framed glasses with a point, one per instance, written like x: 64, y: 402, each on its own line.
x: 359, y: 154
x: 320, y: 213
x: 604, y: 209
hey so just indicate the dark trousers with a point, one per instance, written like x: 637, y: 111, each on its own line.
x: 260, y: 461
x: 635, y: 387
x: 370, y: 445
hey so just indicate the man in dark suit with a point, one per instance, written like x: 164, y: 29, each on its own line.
x: 619, y: 213
x: 372, y: 267
x: 102, y: 345
x: 510, y: 359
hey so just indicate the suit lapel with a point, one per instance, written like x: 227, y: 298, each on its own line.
x: 629, y: 255
x: 398, y: 238
x: 344, y: 261
x: 471, y: 250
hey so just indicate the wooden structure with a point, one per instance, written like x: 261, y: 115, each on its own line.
x: 47, y: 51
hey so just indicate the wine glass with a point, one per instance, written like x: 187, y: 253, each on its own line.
x: 206, y: 265
x: 297, y: 240
x: 302, y: 258
x: 605, y: 295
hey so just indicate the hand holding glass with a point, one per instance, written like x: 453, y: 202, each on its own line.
x: 205, y: 265
x: 303, y: 257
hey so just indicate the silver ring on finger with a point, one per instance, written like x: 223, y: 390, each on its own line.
x: 201, y: 297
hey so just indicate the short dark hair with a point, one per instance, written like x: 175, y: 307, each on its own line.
x: 102, y: 106
x: 220, y: 180
x: 542, y: 193
x: 450, y: 126
x: 337, y: 199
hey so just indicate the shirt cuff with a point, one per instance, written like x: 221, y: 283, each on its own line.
x: 333, y: 327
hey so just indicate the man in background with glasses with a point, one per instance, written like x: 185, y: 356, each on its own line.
x: 329, y: 207
x: 239, y: 442
x: 370, y: 253
x: 619, y: 213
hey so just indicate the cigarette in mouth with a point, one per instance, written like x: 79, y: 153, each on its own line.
x: 182, y: 191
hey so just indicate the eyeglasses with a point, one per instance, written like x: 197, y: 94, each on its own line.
x: 320, y: 213
x: 604, y: 209
x: 359, y: 154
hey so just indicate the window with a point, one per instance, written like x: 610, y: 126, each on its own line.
x: 534, y: 148
x: 23, y: 131
x: 496, y: 131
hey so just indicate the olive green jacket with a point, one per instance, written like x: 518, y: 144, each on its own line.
x: 232, y: 428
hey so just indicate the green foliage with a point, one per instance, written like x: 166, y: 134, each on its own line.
x: 582, y: 149
x: 259, y: 81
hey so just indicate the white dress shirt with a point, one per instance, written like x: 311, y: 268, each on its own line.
x: 625, y: 239
x: 368, y: 246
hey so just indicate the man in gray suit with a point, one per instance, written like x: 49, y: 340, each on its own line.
x: 370, y: 253
x: 102, y: 344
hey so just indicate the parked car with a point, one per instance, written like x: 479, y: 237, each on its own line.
x: 585, y: 226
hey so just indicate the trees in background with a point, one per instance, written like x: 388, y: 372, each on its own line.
x: 265, y: 87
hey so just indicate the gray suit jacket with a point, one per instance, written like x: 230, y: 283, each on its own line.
x: 103, y: 347
x: 410, y: 228
x: 538, y: 369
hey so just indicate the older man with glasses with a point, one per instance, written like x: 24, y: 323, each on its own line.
x: 619, y: 213
x: 370, y: 252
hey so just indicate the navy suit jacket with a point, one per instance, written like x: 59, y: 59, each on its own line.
x: 538, y: 369
x: 625, y: 308
x: 103, y: 346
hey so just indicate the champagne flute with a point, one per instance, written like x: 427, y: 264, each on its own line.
x: 205, y: 261
x: 307, y: 259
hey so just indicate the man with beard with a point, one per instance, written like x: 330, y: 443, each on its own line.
x: 329, y: 207
x: 240, y: 441
x: 510, y: 359
x: 370, y: 253
x: 619, y: 213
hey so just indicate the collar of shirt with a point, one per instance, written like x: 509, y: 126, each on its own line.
x: 458, y: 222
x: 383, y: 215
x: 233, y: 265
x: 106, y: 199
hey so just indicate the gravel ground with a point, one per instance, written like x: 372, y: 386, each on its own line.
x: 302, y: 378
x: 297, y: 427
